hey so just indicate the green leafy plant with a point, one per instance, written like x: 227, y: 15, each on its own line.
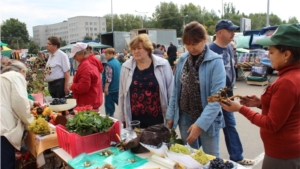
x: 88, y: 122
x: 36, y: 75
x: 174, y: 138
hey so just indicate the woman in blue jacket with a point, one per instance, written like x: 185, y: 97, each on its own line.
x: 199, y: 74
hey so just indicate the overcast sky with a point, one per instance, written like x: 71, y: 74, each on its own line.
x: 41, y: 12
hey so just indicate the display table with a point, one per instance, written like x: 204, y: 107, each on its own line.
x: 37, y: 144
x: 62, y: 154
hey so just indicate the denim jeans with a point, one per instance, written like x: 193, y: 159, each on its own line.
x: 7, y: 154
x: 110, y: 101
x: 210, y: 144
x: 232, y: 139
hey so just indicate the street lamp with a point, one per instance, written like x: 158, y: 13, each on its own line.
x: 268, y: 10
x: 112, y: 17
x: 141, y: 17
x: 184, y: 20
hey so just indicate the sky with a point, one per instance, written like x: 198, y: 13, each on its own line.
x: 43, y: 12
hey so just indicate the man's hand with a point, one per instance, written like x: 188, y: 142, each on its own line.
x: 36, y: 104
x: 70, y: 85
x: 195, y: 132
x: 67, y: 90
x: 106, y: 91
x: 170, y: 124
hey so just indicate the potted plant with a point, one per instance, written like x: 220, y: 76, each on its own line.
x: 35, y: 77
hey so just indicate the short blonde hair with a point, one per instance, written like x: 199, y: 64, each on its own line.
x: 109, y: 51
x: 144, y: 39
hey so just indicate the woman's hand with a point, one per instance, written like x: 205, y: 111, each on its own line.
x: 170, y: 124
x: 251, y: 101
x: 195, y: 132
x: 234, y: 106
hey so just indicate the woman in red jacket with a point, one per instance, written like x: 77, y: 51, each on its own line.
x: 87, y: 83
x: 279, y: 121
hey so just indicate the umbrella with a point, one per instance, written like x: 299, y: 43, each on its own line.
x: 6, y: 51
x: 67, y: 47
x: 2, y: 44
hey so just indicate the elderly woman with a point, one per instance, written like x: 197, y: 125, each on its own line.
x: 87, y: 83
x: 279, y: 121
x: 146, y: 83
x: 15, y: 111
x: 199, y: 74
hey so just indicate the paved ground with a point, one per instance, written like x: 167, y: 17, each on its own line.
x: 249, y: 134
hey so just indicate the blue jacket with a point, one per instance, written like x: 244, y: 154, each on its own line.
x: 116, y: 69
x: 212, y: 78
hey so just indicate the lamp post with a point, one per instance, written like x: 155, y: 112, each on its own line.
x: 184, y: 20
x: 112, y: 17
x: 268, y: 10
x: 141, y: 17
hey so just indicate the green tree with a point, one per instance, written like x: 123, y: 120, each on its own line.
x: 123, y: 22
x: 62, y: 42
x: 98, y: 37
x: 14, y: 33
x: 293, y: 20
x: 33, y: 48
x: 87, y: 38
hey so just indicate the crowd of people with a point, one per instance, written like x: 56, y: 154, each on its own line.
x: 146, y: 87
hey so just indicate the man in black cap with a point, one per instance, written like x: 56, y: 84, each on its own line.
x: 224, y: 35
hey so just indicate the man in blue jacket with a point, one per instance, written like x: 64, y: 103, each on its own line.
x: 224, y: 35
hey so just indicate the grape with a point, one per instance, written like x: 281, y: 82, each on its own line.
x: 178, y: 148
x: 200, y: 156
x: 218, y: 163
x: 39, y: 126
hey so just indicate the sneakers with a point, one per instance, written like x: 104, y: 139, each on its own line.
x: 246, y: 161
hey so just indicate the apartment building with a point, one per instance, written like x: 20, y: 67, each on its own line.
x: 71, y: 30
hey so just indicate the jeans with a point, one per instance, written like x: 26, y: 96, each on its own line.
x: 210, y: 144
x: 232, y: 139
x: 7, y: 154
x: 110, y: 101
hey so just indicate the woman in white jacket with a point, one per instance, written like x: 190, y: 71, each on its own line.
x: 15, y: 111
x: 146, y: 83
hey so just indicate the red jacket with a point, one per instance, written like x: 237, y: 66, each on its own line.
x: 87, y: 83
x: 279, y: 121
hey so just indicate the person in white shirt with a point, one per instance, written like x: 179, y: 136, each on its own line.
x: 58, y: 67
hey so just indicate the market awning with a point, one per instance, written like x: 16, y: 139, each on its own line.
x: 92, y: 44
x: 6, y: 51
x: 2, y: 44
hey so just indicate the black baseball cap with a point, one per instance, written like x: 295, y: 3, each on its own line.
x: 226, y: 24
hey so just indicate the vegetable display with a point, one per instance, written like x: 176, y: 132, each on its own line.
x: 89, y: 122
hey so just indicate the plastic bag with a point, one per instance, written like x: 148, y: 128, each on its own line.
x: 79, y: 162
x: 127, y: 160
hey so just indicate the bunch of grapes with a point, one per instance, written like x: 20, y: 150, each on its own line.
x: 218, y: 163
x: 178, y: 148
x: 200, y: 156
x: 39, y: 126
x: 57, y: 101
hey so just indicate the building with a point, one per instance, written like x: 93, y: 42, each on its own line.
x: 72, y: 30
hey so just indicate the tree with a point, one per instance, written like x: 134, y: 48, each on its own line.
x: 87, y: 38
x: 98, y: 37
x: 123, y: 22
x: 33, y: 48
x: 62, y: 42
x: 14, y: 33
x: 293, y: 20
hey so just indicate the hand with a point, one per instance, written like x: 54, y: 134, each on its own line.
x: 67, y: 90
x: 106, y: 91
x: 124, y: 124
x: 234, y: 106
x: 170, y: 124
x: 195, y: 132
x: 251, y: 101
x: 69, y: 86
x: 36, y: 104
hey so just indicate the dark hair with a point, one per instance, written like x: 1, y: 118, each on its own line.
x: 154, y: 45
x: 54, y: 41
x: 193, y: 32
x: 294, y: 50
x: 158, y: 45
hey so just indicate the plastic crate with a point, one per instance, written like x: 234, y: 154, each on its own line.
x: 75, y: 144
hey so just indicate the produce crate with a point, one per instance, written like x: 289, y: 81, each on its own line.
x: 75, y: 144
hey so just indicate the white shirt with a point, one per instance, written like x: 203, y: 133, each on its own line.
x: 59, y: 64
